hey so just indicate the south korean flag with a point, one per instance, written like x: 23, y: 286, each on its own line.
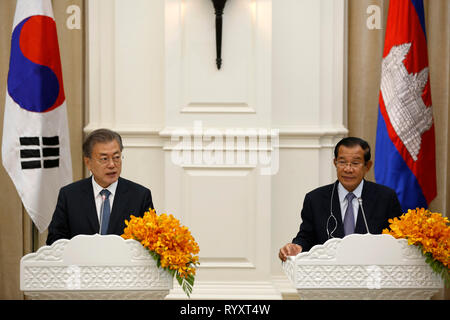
x: 36, y: 146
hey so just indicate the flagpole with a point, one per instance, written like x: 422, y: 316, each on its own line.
x: 34, y: 237
x: 27, y: 232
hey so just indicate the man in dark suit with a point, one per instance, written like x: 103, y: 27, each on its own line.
x: 334, y: 210
x: 102, y: 202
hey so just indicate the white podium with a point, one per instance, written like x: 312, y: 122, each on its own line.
x: 362, y: 267
x: 93, y: 267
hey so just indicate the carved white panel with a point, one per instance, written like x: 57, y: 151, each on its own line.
x: 139, y: 63
x: 194, y: 84
x: 220, y: 208
x: 204, y: 88
x: 362, y: 266
x: 93, y: 266
x: 125, y: 64
x: 309, y: 63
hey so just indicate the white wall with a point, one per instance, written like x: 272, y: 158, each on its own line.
x: 152, y: 77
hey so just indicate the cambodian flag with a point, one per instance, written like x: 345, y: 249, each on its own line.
x: 36, y: 146
x: 405, y: 157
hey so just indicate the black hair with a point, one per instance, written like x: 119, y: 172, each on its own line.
x: 352, y: 142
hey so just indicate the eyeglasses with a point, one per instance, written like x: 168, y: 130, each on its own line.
x: 353, y: 165
x: 105, y: 160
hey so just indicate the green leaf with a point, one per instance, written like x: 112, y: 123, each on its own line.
x: 437, y: 266
x: 186, y: 284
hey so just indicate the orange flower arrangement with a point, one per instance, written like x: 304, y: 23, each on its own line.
x: 430, y: 232
x: 170, y: 244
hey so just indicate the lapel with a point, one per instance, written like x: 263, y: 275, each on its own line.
x: 119, y: 205
x: 367, y: 196
x: 89, y: 205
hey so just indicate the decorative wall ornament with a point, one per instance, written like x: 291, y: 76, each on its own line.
x: 219, y: 5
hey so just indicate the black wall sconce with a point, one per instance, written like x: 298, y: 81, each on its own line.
x: 219, y: 5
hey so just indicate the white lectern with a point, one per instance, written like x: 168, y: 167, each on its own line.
x: 362, y: 267
x: 93, y: 267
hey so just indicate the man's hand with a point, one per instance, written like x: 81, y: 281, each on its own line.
x: 290, y: 249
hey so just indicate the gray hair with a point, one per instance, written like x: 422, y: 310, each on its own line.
x: 100, y: 136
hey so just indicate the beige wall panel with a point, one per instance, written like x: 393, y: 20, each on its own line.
x: 16, y: 236
x: 11, y: 223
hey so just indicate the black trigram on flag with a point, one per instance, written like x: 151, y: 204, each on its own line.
x: 36, y: 155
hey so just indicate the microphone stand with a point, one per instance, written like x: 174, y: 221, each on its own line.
x: 364, y: 214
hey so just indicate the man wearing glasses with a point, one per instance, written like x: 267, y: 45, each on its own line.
x: 102, y: 202
x: 349, y: 205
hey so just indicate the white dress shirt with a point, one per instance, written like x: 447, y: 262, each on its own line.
x: 342, y: 192
x: 98, y: 197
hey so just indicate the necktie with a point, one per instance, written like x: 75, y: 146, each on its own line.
x: 106, y: 212
x: 349, y: 218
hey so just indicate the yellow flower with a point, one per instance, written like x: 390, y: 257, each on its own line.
x: 424, y: 228
x: 166, y: 237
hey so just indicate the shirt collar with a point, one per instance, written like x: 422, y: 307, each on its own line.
x: 343, y: 192
x: 97, y: 188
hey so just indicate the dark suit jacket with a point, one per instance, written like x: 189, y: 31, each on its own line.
x: 380, y: 204
x: 76, y: 213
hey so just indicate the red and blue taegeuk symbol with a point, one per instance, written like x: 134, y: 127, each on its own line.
x: 35, y: 78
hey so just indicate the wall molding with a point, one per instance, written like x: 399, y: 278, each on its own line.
x: 229, y: 290
x: 289, y: 138
x: 217, y: 108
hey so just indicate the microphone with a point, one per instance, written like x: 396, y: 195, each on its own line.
x: 364, y: 214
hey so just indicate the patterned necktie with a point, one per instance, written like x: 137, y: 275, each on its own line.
x: 349, y: 218
x: 106, y: 212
